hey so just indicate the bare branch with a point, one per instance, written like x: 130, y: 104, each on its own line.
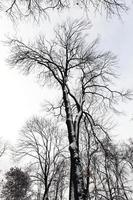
x: 37, y: 8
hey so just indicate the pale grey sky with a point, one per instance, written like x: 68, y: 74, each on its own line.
x: 21, y: 97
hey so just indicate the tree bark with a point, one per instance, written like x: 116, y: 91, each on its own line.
x: 71, y: 186
x: 76, y: 168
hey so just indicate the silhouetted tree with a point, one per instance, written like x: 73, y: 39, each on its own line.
x: 16, y: 185
x: 43, y: 143
x: 84, y: 77
x: 106, y: 170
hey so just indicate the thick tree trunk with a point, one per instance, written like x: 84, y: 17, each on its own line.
x: 76, y: 169
x: 77, y: 177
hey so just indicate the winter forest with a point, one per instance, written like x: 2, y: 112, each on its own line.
x: 70, y: 150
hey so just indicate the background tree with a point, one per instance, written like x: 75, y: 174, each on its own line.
x: 42, y: 142
x: 106, y: 170
x: 17, y: 185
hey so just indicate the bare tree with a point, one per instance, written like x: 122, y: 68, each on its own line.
x: 60, y: 183
x: 42, y: 142
x: 38, y: 7
x: 106, y: 171
x: 84, y: 77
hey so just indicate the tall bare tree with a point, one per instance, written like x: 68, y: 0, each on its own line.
x: 42, y: 142
x: 84, y: 77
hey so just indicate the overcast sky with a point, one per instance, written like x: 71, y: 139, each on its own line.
x: 21, y: 97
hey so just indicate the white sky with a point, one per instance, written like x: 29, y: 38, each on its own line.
x: 21, y: 97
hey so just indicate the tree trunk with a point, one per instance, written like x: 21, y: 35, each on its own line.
x: 71, y: 186
x: 76, y: 169
x: 77, y: 177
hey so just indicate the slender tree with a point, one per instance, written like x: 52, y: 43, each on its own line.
x: 84, y: 77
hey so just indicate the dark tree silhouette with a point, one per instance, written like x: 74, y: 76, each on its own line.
x: 84, y: 77
x: 17, y: 185
x: 43, y: 143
